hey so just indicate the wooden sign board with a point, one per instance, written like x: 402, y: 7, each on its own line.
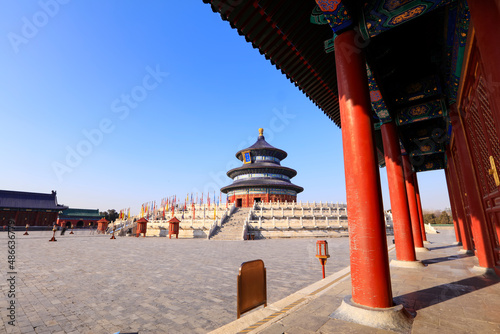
x: 252, y: 287
x: 247, y: 157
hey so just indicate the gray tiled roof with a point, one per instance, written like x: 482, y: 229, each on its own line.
x: 27, y: 200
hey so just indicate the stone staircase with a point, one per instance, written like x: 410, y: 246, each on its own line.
x: 233, y: 228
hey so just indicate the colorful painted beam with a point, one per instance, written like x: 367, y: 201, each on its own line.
x: 381, y: 15
x: 422, y: 89
x: 377, y: 101
x: 429, y: 162
x: 458, y: 26
x: 421, y: 112
x: 336, y: 14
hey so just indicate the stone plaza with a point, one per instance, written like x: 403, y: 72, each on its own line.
x: 87, y: 283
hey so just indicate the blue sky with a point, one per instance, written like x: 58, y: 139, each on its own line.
x: 116, y: 103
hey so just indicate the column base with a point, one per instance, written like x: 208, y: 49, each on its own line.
x: 495, y: 272
x: 427, y: 242
x: 421, y: 249
x: 406, y: 264
x: 394, y: 318
x: 468, y: 252
x: 457, y: 243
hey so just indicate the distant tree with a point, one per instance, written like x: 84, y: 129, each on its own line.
x: 444, y: 218
x: 429, y: 218
x: 111, y: 215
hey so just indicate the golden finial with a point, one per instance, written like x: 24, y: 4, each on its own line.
x: 261, y: 131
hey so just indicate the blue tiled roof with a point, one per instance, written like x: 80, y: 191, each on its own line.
x: 80, y: 213
x: 261, y: 145
x: 26, y: 200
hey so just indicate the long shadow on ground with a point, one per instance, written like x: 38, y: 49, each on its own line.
x: 417, y: 300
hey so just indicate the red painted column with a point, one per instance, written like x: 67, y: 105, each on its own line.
x: 484, y: 250
x: 460, y: 206
x: 405, y: 249
x: 412, y: 202
x: 454, y: 213
x: 370, y: 277
x: 419, y: 207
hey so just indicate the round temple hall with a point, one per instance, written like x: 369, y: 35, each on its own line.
x: 261, y: 178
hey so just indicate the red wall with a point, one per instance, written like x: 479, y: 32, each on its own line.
x: 33, y: 218
x: 248, y: 200
x: 86, y: 222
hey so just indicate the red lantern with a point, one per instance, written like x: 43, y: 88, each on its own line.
x: 322, y: 253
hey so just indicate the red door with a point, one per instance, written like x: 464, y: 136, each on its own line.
x: 482, y: 131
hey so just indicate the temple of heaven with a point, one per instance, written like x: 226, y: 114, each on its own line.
x: 261, y: 178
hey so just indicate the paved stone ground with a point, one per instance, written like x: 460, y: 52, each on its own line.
x: 443, y: 297
x: 89, y: 284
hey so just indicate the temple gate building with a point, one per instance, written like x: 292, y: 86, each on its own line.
x: 78, y: 218
x: 35, y: 209
x: 261, y: 178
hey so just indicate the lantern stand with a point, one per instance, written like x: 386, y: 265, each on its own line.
x: 26, y: 233
x: 102, y: 225
x: 322, y: 253
x: 113, y: 236
x: 54, y: 229
x: 72, y: 226
x: 141, y: 227
x: 173, y: 227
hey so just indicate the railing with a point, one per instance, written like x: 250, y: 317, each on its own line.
x: 300, y: 212
x: 296, y: 224
x: 245, y: 230
x: 233, y: 209
x: 122, y: 225
x: 279, y: 205
x: 221, y: 221
x: 301, y: 224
